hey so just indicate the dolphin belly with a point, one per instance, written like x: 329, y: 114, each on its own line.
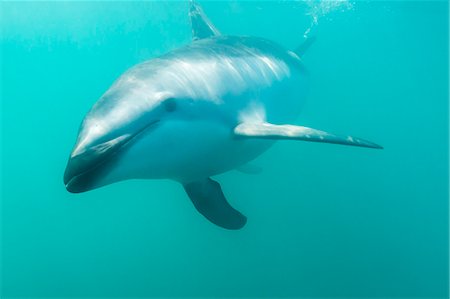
x: 185, y: 151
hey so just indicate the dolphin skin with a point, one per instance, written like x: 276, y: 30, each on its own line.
x: 195, y: 112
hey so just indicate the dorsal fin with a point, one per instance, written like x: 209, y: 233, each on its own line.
x: 201, y: 25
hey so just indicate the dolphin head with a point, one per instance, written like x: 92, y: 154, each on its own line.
x: 127, y: 110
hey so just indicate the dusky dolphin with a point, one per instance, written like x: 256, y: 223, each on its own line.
x: 195, y: 112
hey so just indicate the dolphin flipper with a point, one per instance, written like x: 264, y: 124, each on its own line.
x: 249, y: 169
x: 201, y: 25
x: 270, y: 131
x: 210, y: 201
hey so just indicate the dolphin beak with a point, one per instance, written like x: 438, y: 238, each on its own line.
x: 85, y: 166
x: 77, y: 183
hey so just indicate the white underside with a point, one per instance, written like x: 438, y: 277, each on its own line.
x: 185, y: 151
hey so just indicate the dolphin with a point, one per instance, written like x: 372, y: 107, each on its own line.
x: 195, y: 112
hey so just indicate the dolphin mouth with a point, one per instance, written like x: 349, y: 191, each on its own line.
x: 83, y: 170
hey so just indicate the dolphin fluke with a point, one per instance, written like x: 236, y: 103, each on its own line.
x: 209, y: 200
x: 307, y: 43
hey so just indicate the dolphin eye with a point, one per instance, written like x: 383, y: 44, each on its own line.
x: 170, y: 105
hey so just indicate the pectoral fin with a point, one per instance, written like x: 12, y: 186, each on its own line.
x: 270, y: 131
x: 209, y: 200
x: 249, y: 169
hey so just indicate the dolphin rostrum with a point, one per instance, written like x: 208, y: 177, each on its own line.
x: 195, y: 112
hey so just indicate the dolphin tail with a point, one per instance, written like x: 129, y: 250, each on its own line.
x: 202, y: 27
x: 209, y: 200
x: 307, y: 43
x: 291, y: 132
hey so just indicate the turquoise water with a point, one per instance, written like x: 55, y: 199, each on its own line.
x: 323, y: 220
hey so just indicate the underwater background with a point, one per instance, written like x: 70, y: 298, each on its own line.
x: 323, y: 220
